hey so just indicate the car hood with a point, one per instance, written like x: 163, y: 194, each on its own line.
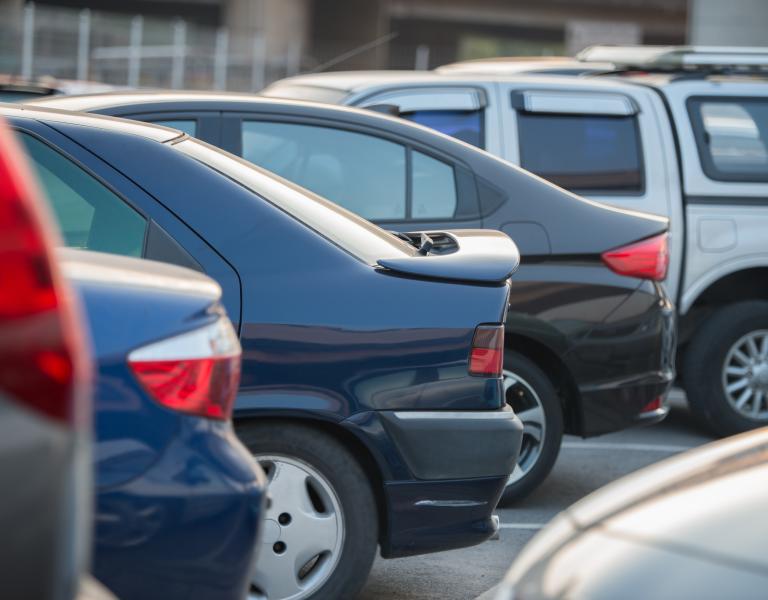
x: 706, y: 502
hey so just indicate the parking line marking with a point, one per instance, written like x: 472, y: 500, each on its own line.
x: 534, y: 526
x: 620, y: 446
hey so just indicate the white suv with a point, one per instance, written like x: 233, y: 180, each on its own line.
x: 679, y: 132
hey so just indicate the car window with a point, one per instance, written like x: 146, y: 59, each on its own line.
x: 466, y: 125
x: 188, y: 126
x: 434, y: 188
x: 362, y: 173
x: 90, y: 216
x: 582, y: 152
x: 359, y: 237
x: 732, y: 137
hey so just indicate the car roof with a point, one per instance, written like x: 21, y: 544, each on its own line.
x: 157, y: 133
x: 247, y: 102
x: 509, y: 65
x: 356, y: 81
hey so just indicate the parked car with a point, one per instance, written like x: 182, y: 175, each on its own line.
x: 574, y: 329
x: 45, y: 408
x: 678, y: 132
x: 689, y: 527
x: 18, y: 89
x: 371, y: 389
x: 179, y: 500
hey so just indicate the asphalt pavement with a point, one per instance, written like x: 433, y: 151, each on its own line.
x: 582, y: 467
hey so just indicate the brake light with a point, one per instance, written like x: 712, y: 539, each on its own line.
x: 195, y: 373
x: 647, y: 259
x: 487, y: 356
x: 43, y: 363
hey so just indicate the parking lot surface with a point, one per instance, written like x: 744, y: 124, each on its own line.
x: 582, y: 467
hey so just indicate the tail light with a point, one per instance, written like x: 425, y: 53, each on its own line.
x: 647, y: 259
x: 195, y: 373
x: 43, y: 362
x: 487, y: 356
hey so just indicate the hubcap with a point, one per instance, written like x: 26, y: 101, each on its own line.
x: 526, y: 403
x: 303, y: 532
x: 745, y: 375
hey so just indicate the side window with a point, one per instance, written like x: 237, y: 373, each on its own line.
x: 466, y: 125
x: 732, y: 137
x: 188, y: 126
x: 586, y: 153
x: 90, y: 216
x: 362, y: 173
x: 434, y: 188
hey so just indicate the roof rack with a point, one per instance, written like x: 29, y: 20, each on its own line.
x: 708, y: 59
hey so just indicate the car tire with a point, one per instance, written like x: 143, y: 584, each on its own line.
x: 293, y: 448
x: 533, y: 397
x: 710, y: 360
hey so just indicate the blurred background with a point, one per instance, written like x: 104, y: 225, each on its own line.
x: 242, y: 45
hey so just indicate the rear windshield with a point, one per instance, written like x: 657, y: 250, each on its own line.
x: 350, y: 232
x: 292, y: 91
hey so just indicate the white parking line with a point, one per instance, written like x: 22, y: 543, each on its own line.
x: 534, y: 526
x: 624, y: 446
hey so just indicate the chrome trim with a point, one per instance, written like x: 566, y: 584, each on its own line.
x: 480, y: 415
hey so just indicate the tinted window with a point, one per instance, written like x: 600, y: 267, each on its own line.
x: 188, y: 126
x: 732, y: 136
x: 466, y: 125
x: 587, y: 153
x: 434, y: 188
x: 360, y: 172
x: 89, y: 215
x: 357, y: 236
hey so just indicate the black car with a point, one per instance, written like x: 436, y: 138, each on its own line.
x: 371, y: 389
x: 590, y: 331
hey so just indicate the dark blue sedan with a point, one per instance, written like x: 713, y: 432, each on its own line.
x: 371, y: 388
x: 179, y: 500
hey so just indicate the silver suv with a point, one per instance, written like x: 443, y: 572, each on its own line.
x: 679, y: 132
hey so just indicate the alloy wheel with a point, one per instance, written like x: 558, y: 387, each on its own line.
x: 303, y: 533
x: 526, y: 403
x: 745, y: 375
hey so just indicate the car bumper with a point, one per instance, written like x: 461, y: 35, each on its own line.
x: 445, y: 472
x: 186, y: 528
x: 625, y: 364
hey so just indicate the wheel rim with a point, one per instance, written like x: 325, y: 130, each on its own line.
x: 303, y: 532
x: 745, y: 375
x: 526, y: 403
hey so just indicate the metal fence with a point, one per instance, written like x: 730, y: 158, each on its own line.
x: 136, y: 51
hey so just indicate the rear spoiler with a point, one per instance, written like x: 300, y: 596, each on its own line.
x: 478, y: 255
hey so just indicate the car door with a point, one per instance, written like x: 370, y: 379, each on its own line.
x: 723, y: 133
x: 396, y: 183
x: 610, y: 145
x: 99, y: 209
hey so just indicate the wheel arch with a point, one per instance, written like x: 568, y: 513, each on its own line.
x: 739, y: 285
x: 549, y: 361
x: 354, y: 445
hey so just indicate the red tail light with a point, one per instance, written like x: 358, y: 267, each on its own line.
x: 42, y: 356
x: 487, y: 356
x: 647, y: 259
x: 195, y: 373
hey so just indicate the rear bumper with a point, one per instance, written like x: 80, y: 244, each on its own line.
x: 186, y: 528
x: 456, y: 444
x: 444, y: 472
x: 625, y: 363
x: 431, y: 516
